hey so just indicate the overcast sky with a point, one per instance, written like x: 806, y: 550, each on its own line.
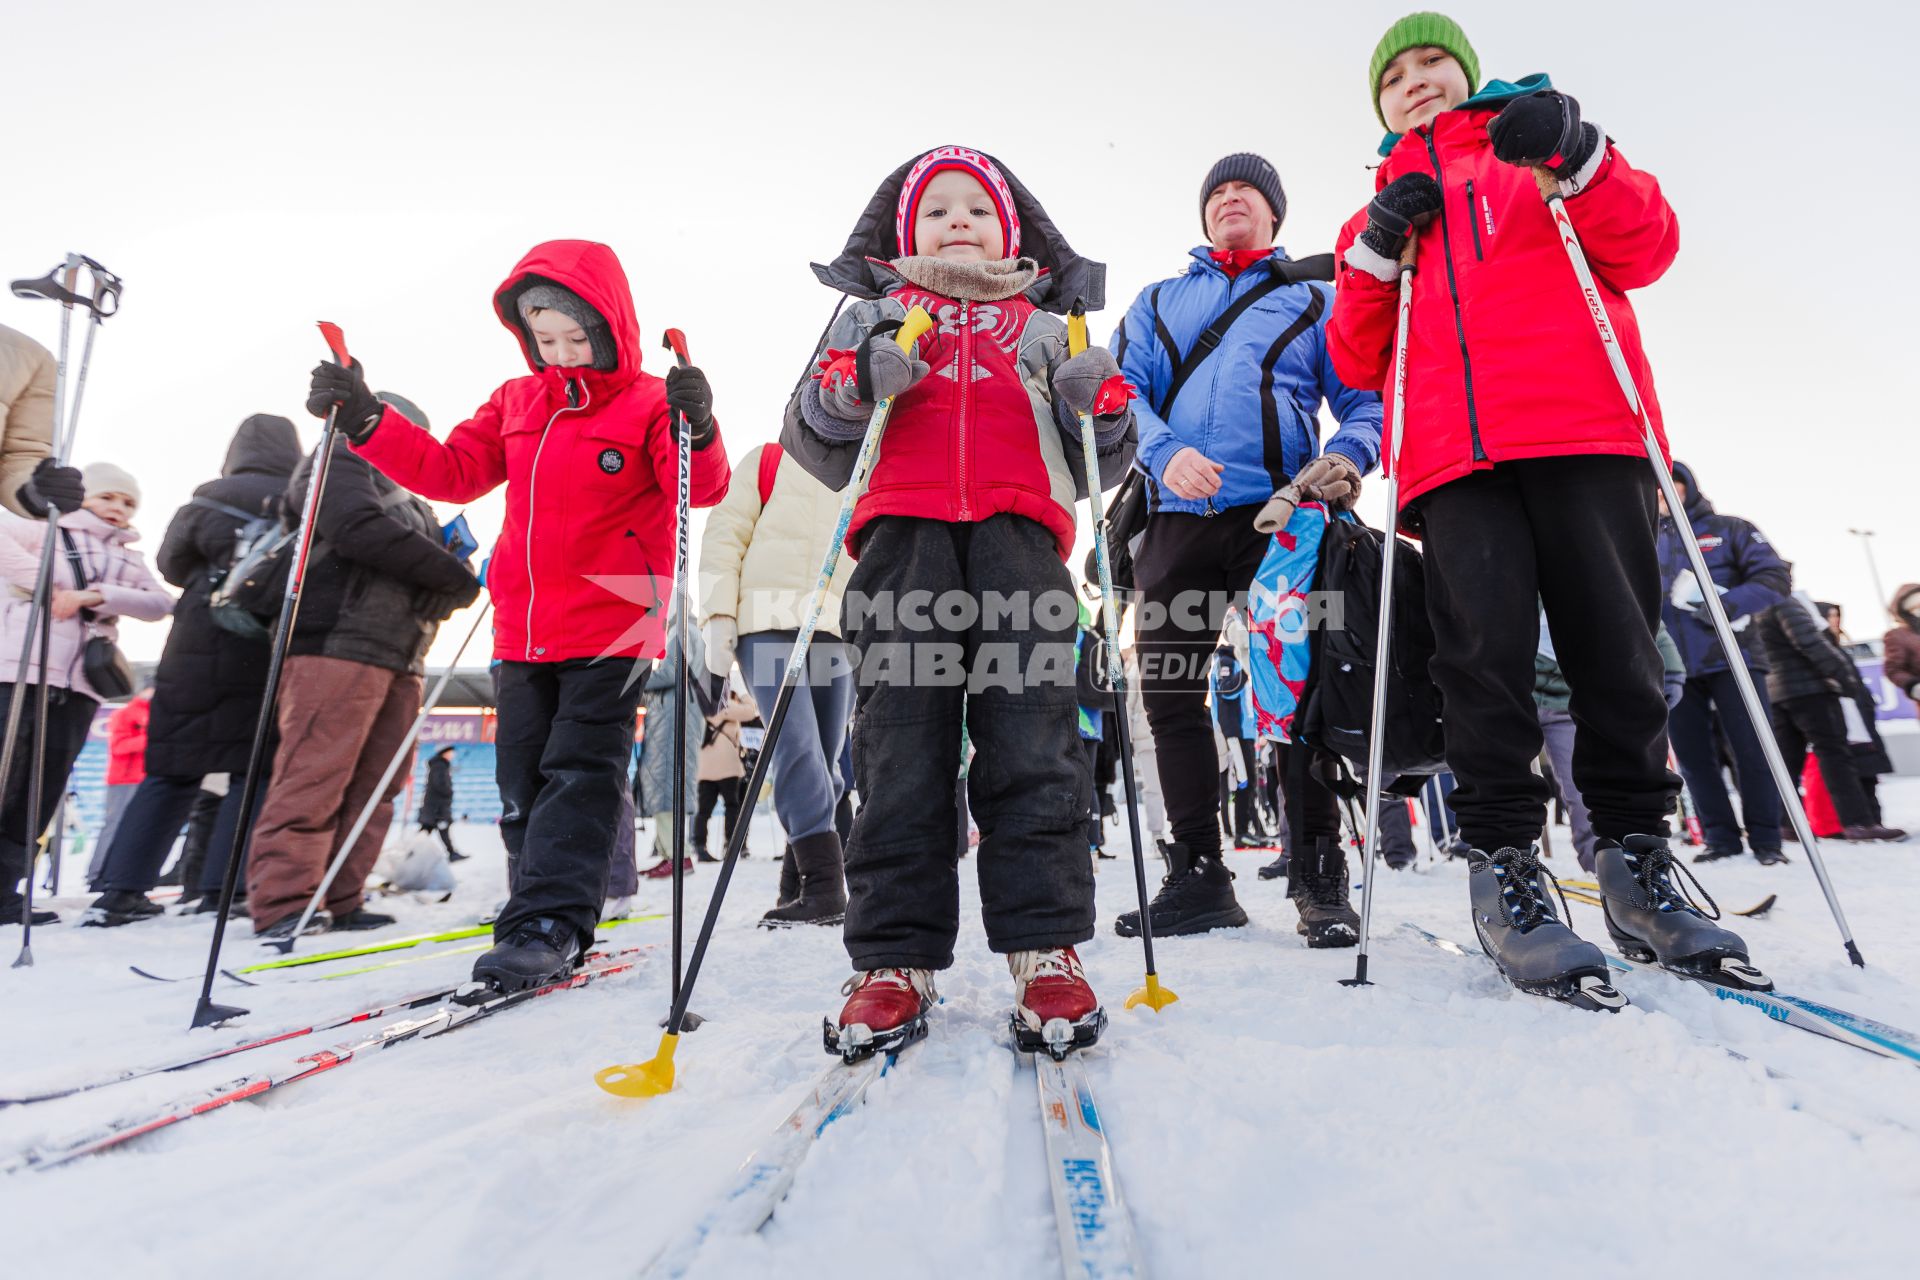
x: 251, y: 168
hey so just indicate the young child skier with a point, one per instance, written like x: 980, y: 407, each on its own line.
x: 1523, y: 470
x: 970, y: 505
x: 583, y: 563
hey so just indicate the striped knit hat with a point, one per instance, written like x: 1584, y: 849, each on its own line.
x: 966, y: 161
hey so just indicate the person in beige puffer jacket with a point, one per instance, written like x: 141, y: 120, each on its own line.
x: 759, y: 562
x: 27, y: 373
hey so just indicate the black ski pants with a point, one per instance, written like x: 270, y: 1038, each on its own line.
x: 1575, y: 534
x: 1009, y: 674
x: 69, y: 715
x: 561, y: 752
x: 1815, y: 721
x: 160, y: 807
x: 723, y: 792
x: 1711, y: 714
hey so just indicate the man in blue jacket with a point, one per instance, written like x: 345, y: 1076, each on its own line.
x: 1751, y: 578
x: 1231, y: 363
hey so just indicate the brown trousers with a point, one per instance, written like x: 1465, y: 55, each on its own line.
x: 340, y: 723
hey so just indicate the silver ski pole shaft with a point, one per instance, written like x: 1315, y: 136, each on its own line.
x: 374, y: 801
x: 1382, y: 647
x: 1736, y: 662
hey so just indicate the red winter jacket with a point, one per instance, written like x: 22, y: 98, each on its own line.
x: 584, y: 564
x: 1503, y: 360
x: 127, y: 742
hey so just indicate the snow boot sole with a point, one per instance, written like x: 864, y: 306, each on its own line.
x: 1058, y: 1037
x: 1328, y: 933
x: 1204, y: 923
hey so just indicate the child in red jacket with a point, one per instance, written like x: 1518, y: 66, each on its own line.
x: 961, y: 606
x: 580, y: 575
x: 1524, y: 471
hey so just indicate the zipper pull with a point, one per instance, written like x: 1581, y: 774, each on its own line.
x: 573, y: 393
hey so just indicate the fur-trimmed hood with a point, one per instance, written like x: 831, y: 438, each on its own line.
x: 1063, y: 275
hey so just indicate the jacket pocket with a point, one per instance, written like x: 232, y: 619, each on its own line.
x: 1473, y: 221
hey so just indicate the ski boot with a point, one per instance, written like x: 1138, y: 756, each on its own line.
x: 360, y: 919
x: 1654, y: 922
x: 1195, y: 897
x: 1714, y: 853
x: 1525, y: 937
x: 536, y: 953
x: 1767, y: 855
x: 113, y: 908
x: 1055, y: 1010
x: 321, y: 922
x: 886, y: 1010
x: 1317, y: 883
x: 10, y: 914
x: 663, y: 869
x: 1277, y: 869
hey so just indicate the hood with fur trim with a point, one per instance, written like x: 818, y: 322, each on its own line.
x: 1064, y: 275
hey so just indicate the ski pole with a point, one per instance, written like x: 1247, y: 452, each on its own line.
x: 655, y: 1075
x: 206, y: 1013
x: 374, y: 801
x: 1382, y: 646
x: 104, y: 301
x: 676, y: 342
x: 1152, y: 995
x: 1736, y: 662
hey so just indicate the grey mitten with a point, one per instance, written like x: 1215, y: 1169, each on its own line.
x: 1077, y: 382
x: 889, y: 372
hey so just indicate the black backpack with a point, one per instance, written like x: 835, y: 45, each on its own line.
x: 1337, y: 703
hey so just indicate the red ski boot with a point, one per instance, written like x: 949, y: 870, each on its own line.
x: 886, y: 1009
x: 1055, y: 1009
x: 663, y: 869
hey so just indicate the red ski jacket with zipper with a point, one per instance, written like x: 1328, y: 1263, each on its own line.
x: 584, y: 564
x: 1503, y: 360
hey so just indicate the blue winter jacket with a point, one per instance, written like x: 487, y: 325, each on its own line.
x: 1741, y: 560
x: 1253, y: 405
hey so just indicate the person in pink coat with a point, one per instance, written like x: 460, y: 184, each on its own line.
x: 98, y: 578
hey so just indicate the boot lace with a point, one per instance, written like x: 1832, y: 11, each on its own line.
x: 1053, y: 962
x: 1521, y: 880
x: 1652, y: 871
x: 920, y: 980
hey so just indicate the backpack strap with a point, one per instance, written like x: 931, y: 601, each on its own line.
x: 213, y: 504
x: 769, y: 468
x: 1320, y: 267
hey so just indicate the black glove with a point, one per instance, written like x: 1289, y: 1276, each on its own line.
x: 689, y: 395
x: 52, y: 485
x: 1403, y: 206
x: 1543, y: 128
x: 346, y: 386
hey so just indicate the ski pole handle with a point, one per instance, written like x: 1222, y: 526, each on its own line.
x: 1548, y: 184
x: 676, y: 342
x: 916, y: 324
x: 1077, y: 328
x: 336, y: 342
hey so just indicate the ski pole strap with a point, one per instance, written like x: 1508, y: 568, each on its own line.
x: 104, y: 302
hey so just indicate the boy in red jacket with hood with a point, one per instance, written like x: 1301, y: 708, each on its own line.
x: 961, y: 606
x: 1523, y: 469
x: 580, y: 575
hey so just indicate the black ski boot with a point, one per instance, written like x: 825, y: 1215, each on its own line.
x: 1654, y: 922
x: 1277, y: 869
x: 822, y: 896
x: 536, y: 953
x: 285, y: 925
x: 1195, y: 897
x: 1525, y: 937
x: 116, y: 907
x: 10, y: 914
x: 1317, y: 884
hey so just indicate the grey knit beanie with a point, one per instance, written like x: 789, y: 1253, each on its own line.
x: 552, y: 297
x: 1244, y: 166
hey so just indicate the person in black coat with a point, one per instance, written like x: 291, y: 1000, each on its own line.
x: 207, y: 690
x: 1807, y: 676
x: 436, y: 808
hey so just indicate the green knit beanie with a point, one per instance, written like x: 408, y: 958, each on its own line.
x: 1415, y: 31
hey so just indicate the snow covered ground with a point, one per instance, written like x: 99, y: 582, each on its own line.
x: 1270, y: 1123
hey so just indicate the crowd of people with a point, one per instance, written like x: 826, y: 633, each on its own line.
x: 953, y: 676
